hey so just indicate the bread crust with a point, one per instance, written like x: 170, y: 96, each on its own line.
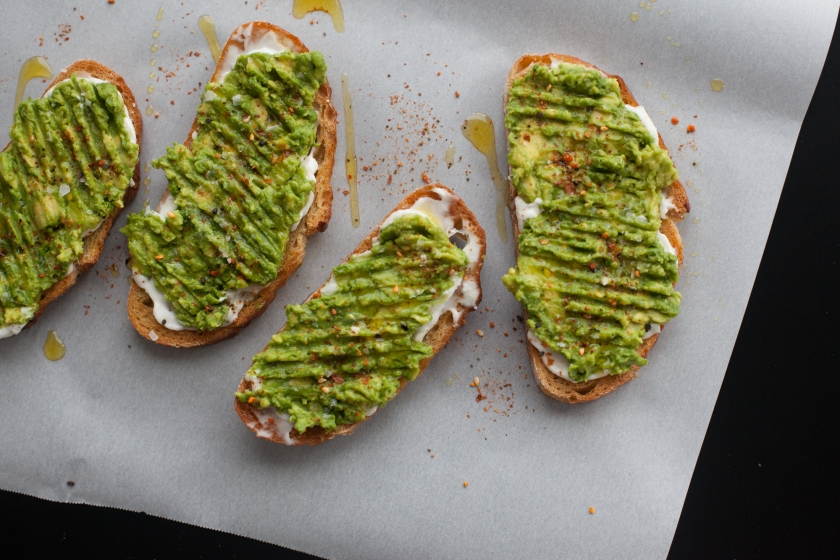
x: 140, y: 309
x: 95, y: 241
x: 437, y: 337
x: 551, y: 385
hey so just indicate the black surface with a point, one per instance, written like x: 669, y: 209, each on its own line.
x: 765, y: 483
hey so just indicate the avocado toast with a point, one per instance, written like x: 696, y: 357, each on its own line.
x: 371, y: 327
x: 594, y: 201
x: 246, y: 189
x: 70, y: 168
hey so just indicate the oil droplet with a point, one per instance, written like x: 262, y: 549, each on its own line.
x: 649, y: 85
x: 664, y: 95
x: 717, y: 85
x: 159, y: 15
x: 634, y: 16
x: 147, y: 168
x: 35, y: 67
x: 150, y: 110
x: 350, y: 158
x: 449, y: 156
x: 151, y: 75
x: 154, y: 48
x: 152, y: 62
x: 156, y: 33
x: 208, y: 28
x: 332, y: 7
x: 146, y: 181
x: 54, y: 349
x: 115, y: 272
x: 478, y: 129
x: 150, y: 89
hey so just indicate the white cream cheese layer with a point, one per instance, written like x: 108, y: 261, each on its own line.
x: 655, y: 328
x: 646, y: 121
x: 555, y: 362
x: 162, y: 309
x: 525, y: 210
x: 270, y: 43
x: 12, y: 330
x: 663, y: 240
x: 665, y: 205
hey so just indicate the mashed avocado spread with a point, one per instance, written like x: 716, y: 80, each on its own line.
x: 66, y: 169
x: 238, y: 189
x: 591, y: 273
x: 344, y: 353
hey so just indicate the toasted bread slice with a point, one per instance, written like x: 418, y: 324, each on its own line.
x: 140, y: 307
x: 437, y: 337
x: 95, y: 241
x: 552, y: 385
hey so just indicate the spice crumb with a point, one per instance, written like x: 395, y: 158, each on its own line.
x: 690, y: 128
x: 466, y: 484
x: 675, y: 120
x: 479, y: 332
x: 591, y: 510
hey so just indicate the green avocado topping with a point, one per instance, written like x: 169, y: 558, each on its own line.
x: 238, y: 188
x: 346, y: 352
x: 66, y: 169
x: 591, y: 271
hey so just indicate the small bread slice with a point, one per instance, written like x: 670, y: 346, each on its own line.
x: 552, y: 385
x: 95, y: 241
x: 140, y: 306
x: 437, y: 337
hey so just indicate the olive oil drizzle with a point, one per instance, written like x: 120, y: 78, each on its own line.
x: 35, y: 67
x: 479, y: 130
x: 449, y: 156
x: 208, y: 28
x: 350, y: 158
x: 54, y: 348
x: 332, y: 7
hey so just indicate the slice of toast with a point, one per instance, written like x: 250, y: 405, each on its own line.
x: 140, y: 307
x: 552, y: 385
x: 437, y: 337
x: 95, y: 241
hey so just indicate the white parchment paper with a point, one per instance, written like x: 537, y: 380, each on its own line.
x: 146, y: 428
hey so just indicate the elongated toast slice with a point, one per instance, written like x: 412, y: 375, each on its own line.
x: 94, y: 241
x: 257, y: 36
x: 556, y: 386
x: 366, y: 361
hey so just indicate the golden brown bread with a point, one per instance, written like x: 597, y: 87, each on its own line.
x: 437, y: 337
x: 140, y: 308
x: 95, y: 241
x: 552, y: 385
